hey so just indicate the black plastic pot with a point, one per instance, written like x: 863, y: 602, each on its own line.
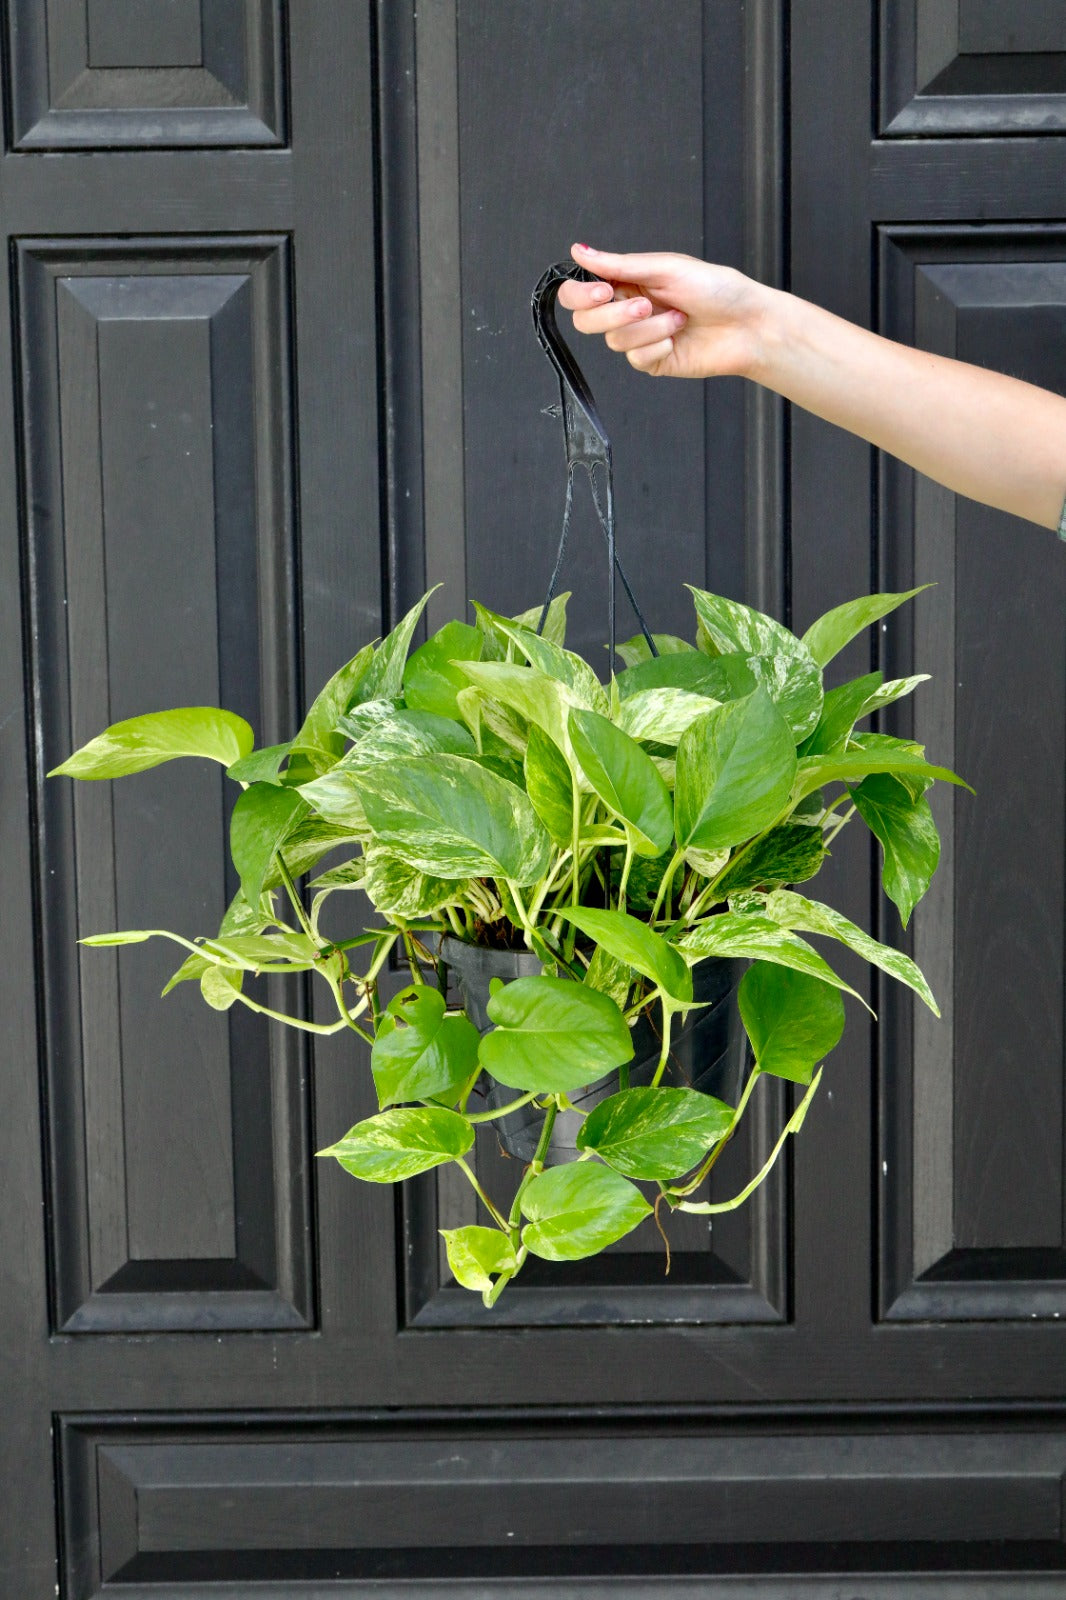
x: 709, y: 1053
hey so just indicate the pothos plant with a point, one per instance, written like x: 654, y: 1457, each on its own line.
x: 490, y: 789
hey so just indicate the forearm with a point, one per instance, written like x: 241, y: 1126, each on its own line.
x: 983, y: 434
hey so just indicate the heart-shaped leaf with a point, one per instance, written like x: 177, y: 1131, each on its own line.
x: 318, y: 737
x: 662, y: 715
x: 549, y: 785
x: 424, y: 1052
x: 625, y: 778
x: 398, y: 1144
x: 553, y: 1035
x: 789, y: 854
x: 398, y: 890
x: 632, y: 941
x: 904, y: 827
x: 262, y: 819
x: 735, y: 770
x: 783, y: 663
x: 475, y: 1254
x: 655, y: 1133
x: 895, y: 756
x: 795, y: 912
x: 431, y: 680
x: 722, y: 678
x: 452, y: 818
x: 577, y: 1210
x: 826, y: 637
x: 384, y: 675
x: 743, y: 936
x: 262, y: 766
x: 143, y: 742
x: 636, y: 650
x: 792, y: 1020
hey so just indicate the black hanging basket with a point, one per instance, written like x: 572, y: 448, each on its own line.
x: 709, y: 1052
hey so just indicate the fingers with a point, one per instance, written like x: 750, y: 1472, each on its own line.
x: 650, y: 269
x: 581, y: 296
x: 650, y: 356
x: 618, y: 314
x: 647, y: 333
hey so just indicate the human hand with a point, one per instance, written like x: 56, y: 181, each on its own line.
x: 672, y: 316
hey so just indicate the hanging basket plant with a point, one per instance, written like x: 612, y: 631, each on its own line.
x: 591, y: 885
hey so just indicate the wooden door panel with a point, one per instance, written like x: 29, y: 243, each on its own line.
x: 974, y: 1158
x: 156, y: 394
x: 426, y: 1498
x: 952, y: 67
x: 141, y: 73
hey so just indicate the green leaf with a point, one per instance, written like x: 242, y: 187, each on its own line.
x: 305, y: 846
x: 318, y: 737
x: 220, y: 987
x: 398, y: 1144
x: 635, y: 650
x: 662, y: 715
x: 721, y: 678
x: 384, y: 676
x: 811, y: 916
x: 553, y: 1035
x: 531, y: 693
x: 555, y: 662
x: 143, y: 742
x: 792, y: 1019
x: 474, y: 1254
x: 398, y: 890
x: 782, y: 662
x: 625, y: 779
x: 645, y: 881
x: 840, y: 710
x: 854, y: 765
x: 789, y: 854
x: 408, y: 733
x: 828, y: 636
x: 193, y: 967
x: 549, y: 785
x: 632, y: 941
x: 430, y: 680
x: 655, y: 1133
x: 577, y: 1210
x: 908, y: 836
x: 252, y: 952
x: 135, y: 936
x: 451, y: 818
x: 262, y: 819
x: 846, y: 706
x: 262, y: 766
x: 735, y: 769
x: 349, y: 875
x: 498, y: 647
x: 609, y: 976
x: 916, y: 784
x: 424, y: 1052
x: 741, y: 935
x: 555, y: 623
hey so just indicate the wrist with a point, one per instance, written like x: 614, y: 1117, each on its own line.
x: 774, y: 330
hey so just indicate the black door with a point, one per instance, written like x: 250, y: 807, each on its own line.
x: 268, y: 375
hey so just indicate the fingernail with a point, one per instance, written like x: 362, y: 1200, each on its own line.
x: 679, y: 319
x: 602, y: 291
x: 640, y: 308
x: 587, y: 247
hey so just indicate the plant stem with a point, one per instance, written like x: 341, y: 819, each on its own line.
x: 664, y: 1054
x: 535, y: 1166
x: 827, y: 841
x: 412, y: 962
x: 793, y: 1125
x: 297, y: 1022
x: 664, y: 887
x: 490, y: 1116
x: 482, y: 1196
x: 673, y: 1191
x: 297, y: 904
x: 627, y: 865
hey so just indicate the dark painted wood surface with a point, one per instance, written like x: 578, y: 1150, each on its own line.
x: 269, y: 372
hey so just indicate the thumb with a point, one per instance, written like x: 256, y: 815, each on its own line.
x: 653, y: 270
